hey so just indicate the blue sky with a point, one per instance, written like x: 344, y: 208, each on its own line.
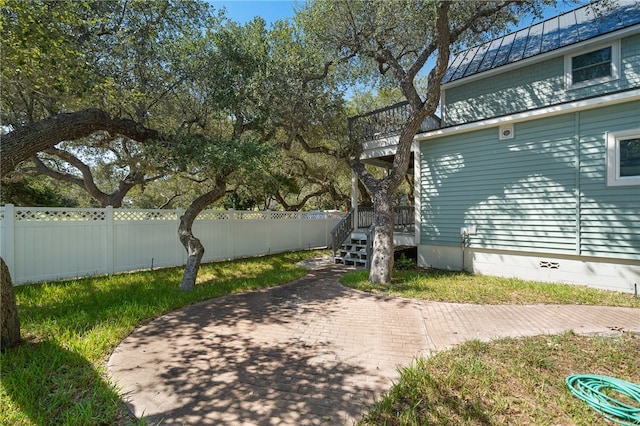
x: 245, y: 10
x: 271, y: 10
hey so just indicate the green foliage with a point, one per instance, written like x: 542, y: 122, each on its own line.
x: 175, y: 67
x: 33, y: 192
x: 43, y: 68
x: 404, y: 263
x: 358, y: 35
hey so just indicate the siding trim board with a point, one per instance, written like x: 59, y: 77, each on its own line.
x: 549, y: 111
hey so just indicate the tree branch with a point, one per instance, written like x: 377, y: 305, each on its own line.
x: 315, y: 149
x: 24, y: 142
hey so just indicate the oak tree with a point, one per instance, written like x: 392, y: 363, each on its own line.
x: 389, y: 43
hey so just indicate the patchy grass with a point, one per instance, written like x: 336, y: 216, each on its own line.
x: 57, y: 375
x: 508, y: 381
x: 70, y: 327
x: 462, y: 287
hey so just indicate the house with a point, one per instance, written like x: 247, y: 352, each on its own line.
x: 533, y: 170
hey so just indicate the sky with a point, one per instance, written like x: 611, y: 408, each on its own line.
x: 270, y: 10
x: 245, y: 10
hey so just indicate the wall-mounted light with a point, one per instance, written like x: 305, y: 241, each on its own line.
x: 506, y: 131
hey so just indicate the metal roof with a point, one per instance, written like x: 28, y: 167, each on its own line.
x: 563, y: 30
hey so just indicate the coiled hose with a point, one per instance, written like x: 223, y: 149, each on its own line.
x: 588, y: 388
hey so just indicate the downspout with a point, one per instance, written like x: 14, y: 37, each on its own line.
x: 576, y: 135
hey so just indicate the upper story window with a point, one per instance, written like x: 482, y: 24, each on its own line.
x: 623, y: 158
x: 593, y: 66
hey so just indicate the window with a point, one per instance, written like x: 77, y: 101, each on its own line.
x: 623, y: 158
x: 592, y: 67
x: 596, y: 64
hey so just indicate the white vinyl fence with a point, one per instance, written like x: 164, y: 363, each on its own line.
x: 42, y: 243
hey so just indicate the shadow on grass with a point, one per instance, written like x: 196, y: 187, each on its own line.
x: 78, y: 306
x: 43, y: 382
x: 52, y: 385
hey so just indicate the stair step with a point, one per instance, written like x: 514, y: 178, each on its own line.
x: 354, y: 255
x: 345, y: 260
x: 356, y: 246
x: 353, y: 252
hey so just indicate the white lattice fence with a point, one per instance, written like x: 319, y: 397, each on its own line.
x: 49, y: 243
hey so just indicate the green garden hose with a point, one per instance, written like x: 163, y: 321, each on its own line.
x: 588, y: 388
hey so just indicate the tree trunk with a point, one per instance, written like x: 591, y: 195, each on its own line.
x: 193, y: 246
x: 383, y: 248
x: 195, y: 251
x: 9, y: 321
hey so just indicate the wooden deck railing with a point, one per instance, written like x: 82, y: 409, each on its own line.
x: 385, y: 122
x: 404, y: 222
x: 404, y: 219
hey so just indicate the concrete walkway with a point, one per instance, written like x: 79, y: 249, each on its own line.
x: 310, y: 352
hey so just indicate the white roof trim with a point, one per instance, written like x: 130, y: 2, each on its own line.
x: 565, y: 108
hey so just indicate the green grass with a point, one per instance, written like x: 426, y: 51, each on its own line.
x: 508, y: 381
x: 69, y: 328
x: 462, y: 287
x: 57, y: 375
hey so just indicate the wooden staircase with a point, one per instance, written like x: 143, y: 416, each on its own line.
x: 354, y: 251
x: 352, y: 245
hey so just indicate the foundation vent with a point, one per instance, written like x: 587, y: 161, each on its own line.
x: 549, y: 265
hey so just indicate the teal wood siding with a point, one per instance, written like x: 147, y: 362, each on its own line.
x: 543, y: 191
x: 609, y: 216
x: 533, y: 86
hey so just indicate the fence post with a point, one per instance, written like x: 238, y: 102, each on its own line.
x: 109, y: 239
x: 270, y: 221
x: 180, y: 250
x: 9, y: 240
x: 299, y: 220
x: 230, y: 233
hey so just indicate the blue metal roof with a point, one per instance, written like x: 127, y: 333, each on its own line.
x: 569, y: 28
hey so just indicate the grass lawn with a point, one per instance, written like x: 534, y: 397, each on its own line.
x: 508, y: 381
x: 57, y: 375
x: 462, y: 287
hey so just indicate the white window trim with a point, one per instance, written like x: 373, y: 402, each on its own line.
x: 613, y: 158
x: 615, y: 65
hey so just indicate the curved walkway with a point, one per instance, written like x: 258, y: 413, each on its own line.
x: 310, y: 352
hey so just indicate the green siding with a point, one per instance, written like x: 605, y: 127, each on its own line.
x: 533, y: 86
x: 609, y: 216
x: 543, y: 191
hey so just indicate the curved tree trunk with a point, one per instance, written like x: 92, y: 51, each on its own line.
x: 9, y: 321
x: 193, y: 246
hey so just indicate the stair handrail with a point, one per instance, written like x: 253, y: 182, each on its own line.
x: 341, y: 231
